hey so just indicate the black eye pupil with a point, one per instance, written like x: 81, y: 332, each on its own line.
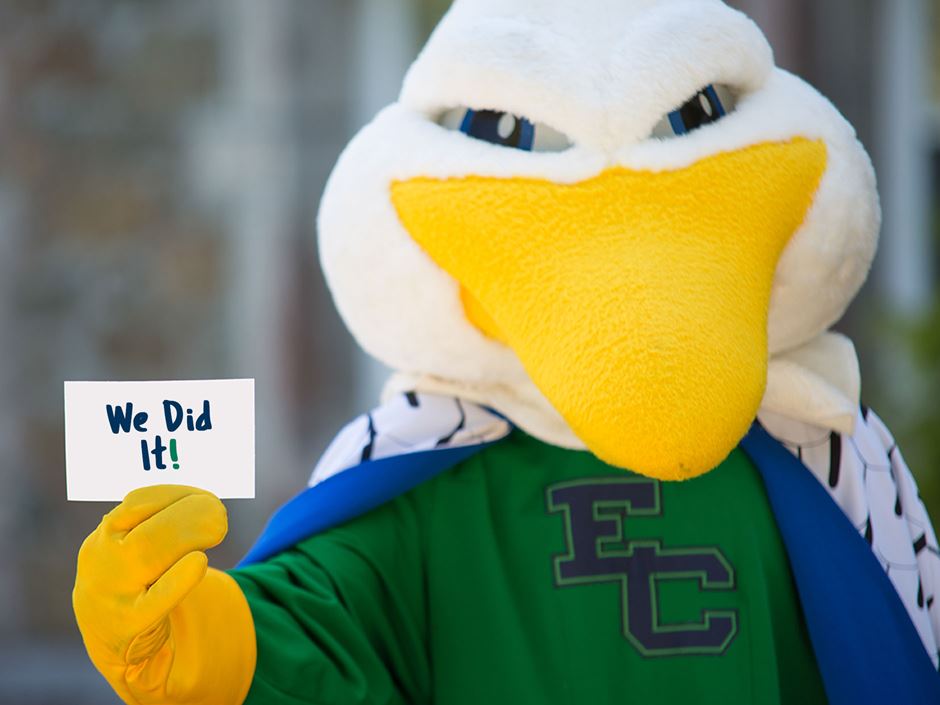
x: 499, y: 128
x: 702, y: 109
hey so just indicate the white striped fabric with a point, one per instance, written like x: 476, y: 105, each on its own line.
x: 868, y: 478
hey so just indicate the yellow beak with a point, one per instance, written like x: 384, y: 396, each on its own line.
x: 636, y: 301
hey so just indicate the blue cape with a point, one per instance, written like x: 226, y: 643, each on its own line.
x: 866, y: 646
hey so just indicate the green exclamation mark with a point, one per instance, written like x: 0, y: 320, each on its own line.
x: 174, y: 456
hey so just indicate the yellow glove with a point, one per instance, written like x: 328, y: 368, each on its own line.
x: 159, y: 625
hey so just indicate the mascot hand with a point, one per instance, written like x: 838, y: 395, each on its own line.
x: 159, y: 625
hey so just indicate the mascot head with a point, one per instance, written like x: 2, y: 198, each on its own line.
x: 607, y: 218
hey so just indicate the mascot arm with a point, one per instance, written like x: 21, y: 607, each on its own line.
x: 159, y: 625
x: 340, y: 617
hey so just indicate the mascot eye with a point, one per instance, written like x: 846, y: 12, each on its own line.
x: 707, y: 106
x: 505, y: 129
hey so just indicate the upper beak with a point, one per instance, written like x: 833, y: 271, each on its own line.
x: 636, y: 301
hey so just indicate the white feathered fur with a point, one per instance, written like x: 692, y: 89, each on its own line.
x: 603, y: 72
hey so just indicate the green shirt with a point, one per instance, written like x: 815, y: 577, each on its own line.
x: 534, y: 574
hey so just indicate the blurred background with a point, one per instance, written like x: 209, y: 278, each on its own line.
x: 160, y: 169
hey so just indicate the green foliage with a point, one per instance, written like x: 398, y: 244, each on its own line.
x: 924, y: 428
x: 918, y: 434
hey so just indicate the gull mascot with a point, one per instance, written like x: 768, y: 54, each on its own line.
x: 622, y: 458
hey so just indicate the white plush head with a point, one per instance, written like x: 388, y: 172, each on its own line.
x: 603, y: 73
